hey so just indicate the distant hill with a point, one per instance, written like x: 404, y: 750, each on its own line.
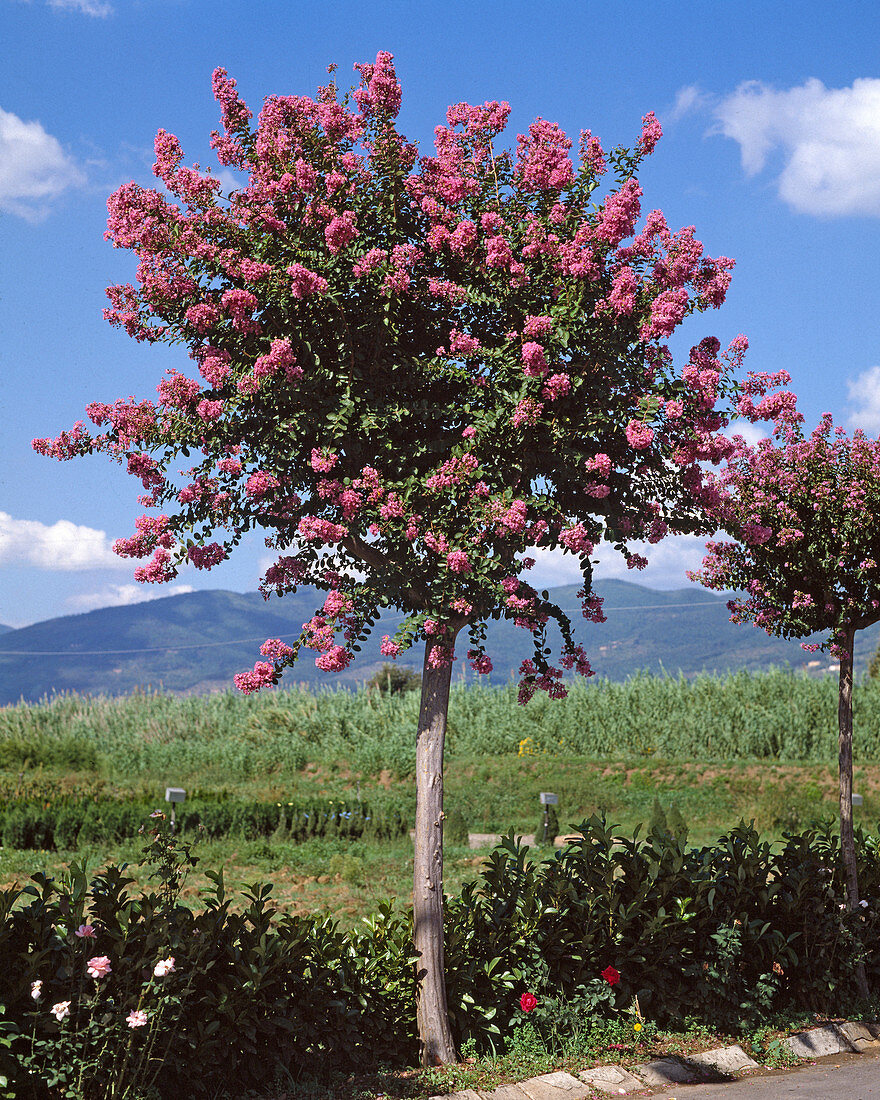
x: 5, y: 629
x: 194, y: 643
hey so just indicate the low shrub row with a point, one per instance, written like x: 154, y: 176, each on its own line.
x: 101, y: 986
x: 69, y: 824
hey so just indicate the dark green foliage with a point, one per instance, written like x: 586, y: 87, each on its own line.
x: 68, y: 824
x: 729, y: 934
x: 392, y: 679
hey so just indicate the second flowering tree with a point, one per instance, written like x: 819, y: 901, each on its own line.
x: 803, y: 507
x: 409, y: 371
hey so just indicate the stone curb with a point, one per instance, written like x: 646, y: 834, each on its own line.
x: 852, y: 1037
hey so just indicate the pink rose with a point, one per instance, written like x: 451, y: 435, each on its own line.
x: 99, y: 966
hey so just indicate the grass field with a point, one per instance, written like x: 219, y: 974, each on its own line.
x: 717, y: 749
x: 347, y: 878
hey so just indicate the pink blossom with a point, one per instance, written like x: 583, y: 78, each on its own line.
x: 341, y: 231
x: 458, y: 562
x: 98, y: 967
x: 369, y: 262
x: 622, y: 298
x: 543, y: 162
x: 592, y: 154
x: 280, y: 357
x: 206, y: 557
x: 556, y: 386
x: 37, y: 989
x: 617, y: 218
x: 61, y: 1010
x: 480, y: 662
x: 262, y: 675
x: 314, y: 529
x: 159, y: 569
x: 239, y: 304
x: 534, y: 360
x: 756, y: 534
x: 599, y: 464
x: 440, y: 656
x: 136, y: 1018
x: 164, y: 967
x: 498, y: 253
x: 209, y: 410
x: 260, y: 484
x: 85, y: 932
x: 379, y: 91
x: 527, y: 412
x: 639, y: 435
x: 577, y: 539
x: 323, y: 461
x: 336, y: 659
x: 304, y: 283
x: 667, y: 312
x: 178, y: 391
x: 538, y: 326
x: 389, y: 648
x: 203, y: 317
x: 214, y: 365
x: 651, y: 133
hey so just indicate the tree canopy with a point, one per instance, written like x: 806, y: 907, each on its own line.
x: 409, y: 369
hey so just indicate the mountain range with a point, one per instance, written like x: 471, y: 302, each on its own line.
x: 194, y: 643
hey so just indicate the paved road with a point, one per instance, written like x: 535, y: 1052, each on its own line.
x: 837, y: 1077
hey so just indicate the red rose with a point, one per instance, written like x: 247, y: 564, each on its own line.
x: 527, y: 1002
x: 611, y: 975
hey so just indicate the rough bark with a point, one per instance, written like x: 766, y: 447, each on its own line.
x: 845, y: 767
x: 435, y: 1036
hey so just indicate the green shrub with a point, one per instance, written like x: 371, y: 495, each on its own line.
x: 729, y: 935
x: 455, y: 828
x: 31, y: 824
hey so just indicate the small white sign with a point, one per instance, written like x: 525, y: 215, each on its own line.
x: 175, y: 794
x: 858, y: 800
x: 548, y: 799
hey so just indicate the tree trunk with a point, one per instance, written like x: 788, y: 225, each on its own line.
x: 845, y: 759
x: 435, y: 1036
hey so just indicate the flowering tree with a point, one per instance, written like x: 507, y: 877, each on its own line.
x: 807, y: 554
x: 410, y: 370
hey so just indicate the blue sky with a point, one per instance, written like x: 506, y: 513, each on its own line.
x: 771, y: 113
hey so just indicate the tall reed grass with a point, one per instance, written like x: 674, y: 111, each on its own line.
x: 770, y: 715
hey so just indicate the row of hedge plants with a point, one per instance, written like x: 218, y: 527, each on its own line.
x: 112, y: 994
x: 68, y: 824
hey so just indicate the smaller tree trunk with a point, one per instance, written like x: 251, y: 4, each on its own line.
x: 435, y: 1036
x: 845, y: 762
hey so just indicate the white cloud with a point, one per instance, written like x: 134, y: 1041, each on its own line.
x: 829, y: 139
x: 34, y: 169
x: 87, y: 7
x: 687, y: 101
x: 121, y: 595
x: 751, y: 433
x: 63, y: 546
x: 864, y: 398
x: 668, y: 562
